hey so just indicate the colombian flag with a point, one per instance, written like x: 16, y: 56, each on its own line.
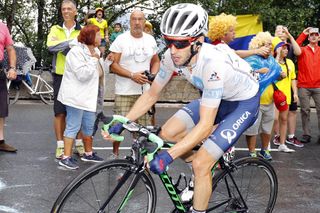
x: 247, y: 27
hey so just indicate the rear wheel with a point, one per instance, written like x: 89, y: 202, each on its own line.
x: 105, y: 188
x: 254, y: 189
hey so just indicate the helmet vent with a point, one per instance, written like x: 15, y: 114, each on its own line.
x: 192, y: 22
x: 179, y: 25
x: 172, y: 21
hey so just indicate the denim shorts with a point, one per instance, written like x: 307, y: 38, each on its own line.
x: 79, y: 119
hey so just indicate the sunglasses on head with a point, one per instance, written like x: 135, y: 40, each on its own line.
x: 178, y: 43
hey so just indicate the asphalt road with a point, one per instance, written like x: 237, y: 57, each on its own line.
x: 31, y: 179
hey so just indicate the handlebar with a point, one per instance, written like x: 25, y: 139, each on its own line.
x: 152, y: 143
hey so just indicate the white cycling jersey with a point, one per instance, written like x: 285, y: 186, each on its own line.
x: 219, y: 72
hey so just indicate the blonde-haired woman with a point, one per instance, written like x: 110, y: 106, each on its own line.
x: 222, y: 28
x: 269, y: 71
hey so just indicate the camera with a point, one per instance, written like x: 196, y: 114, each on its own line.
x: 149, y: 75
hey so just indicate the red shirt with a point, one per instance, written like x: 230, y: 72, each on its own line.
x: 308, y: 65
x: 5, y: 39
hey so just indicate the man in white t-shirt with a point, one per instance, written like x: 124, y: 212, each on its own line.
x: 228, y: 106
x: 134, y: 53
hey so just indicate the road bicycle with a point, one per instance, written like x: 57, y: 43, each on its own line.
x: 38, y: 83
x: 125, y: 185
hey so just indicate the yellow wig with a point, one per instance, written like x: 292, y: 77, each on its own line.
x: 260, y: 40
x: 220, y: 25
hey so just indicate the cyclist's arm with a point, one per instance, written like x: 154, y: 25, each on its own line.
x: 150, y: 97
x: 155, y: 64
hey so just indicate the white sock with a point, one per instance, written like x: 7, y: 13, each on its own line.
x: 195, y: 211
x: 291, y: 136
x: 79, y: 142
x: 60, y: 143
x: 88, y: 153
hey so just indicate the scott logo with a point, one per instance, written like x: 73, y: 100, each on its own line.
x: 238, y: 122
x: 228, y: 134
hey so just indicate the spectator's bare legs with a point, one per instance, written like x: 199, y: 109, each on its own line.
x: 265, y: 140
x: 102, y: 51
x: 1, y: 128
x: 251, y: 142
x: 68, y: 143
x: 87, y: 141
x: 116, y: 146
x: 280, y: 125
x: 59, y: 125
x: 292, y: 122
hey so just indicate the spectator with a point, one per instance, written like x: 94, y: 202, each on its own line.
x: 6, y: 43
x: 99, y: 21
x: 58, y: 43
x: 309, y: 79
x: 117, y: 31
x: 285, y: 84
x: 265, y: 66
x: 79, y: 92
x: 222, y: 30
x: 134, y: 52
x: 293, y: 49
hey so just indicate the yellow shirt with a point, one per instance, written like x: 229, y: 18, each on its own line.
x: 102, y: 25
x: 284, y: 85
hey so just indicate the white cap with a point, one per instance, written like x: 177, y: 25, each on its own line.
x: 314, y: 30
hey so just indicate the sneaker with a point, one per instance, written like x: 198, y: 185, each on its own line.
x: 113, y: 156
x: 59, y: 152
x: 69, y: 163
x: 294, y: 141
x: 91, y: 158
x: 79, y: 149
x: 284, y: 148
x: 276, y: 140
x: 306, y: 139
x: 265, y: 154
x: 253, y: 154
x: 6, y: 147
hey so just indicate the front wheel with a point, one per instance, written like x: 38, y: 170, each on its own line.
x: 250, y: 186
x: 113, y: 186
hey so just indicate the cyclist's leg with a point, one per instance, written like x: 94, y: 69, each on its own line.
x: 236, y: 117
x: 202, y: 164
x: 180, y: 124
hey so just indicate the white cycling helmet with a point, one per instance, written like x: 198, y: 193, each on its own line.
x: 184, y: 20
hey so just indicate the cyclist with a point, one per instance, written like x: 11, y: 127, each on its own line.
x: 230, y: 98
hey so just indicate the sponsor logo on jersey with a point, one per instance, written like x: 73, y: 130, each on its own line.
x: 228, y: 134
x: 213, y: 93
x: 240, y: 121
x: 214, y: 77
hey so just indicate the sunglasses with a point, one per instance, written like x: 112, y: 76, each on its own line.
x: 179, y: 44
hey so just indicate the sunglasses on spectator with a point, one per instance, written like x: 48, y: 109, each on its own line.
x: 178, y: 43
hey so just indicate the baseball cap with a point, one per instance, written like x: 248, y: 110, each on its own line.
x: 314, y: 30
x: 280, y: 100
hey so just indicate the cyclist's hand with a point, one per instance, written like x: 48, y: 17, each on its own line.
x: 160, y: 162
x: 115, y: 129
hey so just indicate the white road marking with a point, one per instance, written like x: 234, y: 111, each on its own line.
x: 128, y: 148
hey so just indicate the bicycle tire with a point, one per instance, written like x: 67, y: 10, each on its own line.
x: 46, y: 90
x: 13, y: 95
x: 92, y: 187
x: 257, y: 182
